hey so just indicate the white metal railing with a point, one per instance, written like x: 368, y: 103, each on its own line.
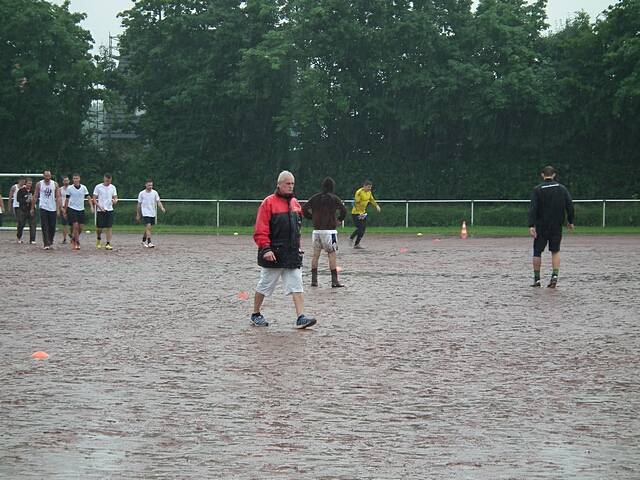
x: 406, y: 203
x: 471, y: 205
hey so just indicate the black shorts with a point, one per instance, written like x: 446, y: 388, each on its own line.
x: 75, y: 216
x: 546, y: 235
x: 104, y: 219
x: 149, y: 220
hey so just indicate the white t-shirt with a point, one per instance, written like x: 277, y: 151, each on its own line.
x: 76, y: 197
x: 148, y: 202
x: 47, y: 196
x: 63, y: 195
x: 15, y: 196
x: 105, y: 194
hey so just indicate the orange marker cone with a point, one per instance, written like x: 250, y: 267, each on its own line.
x: 404, y: 250
x: 463, y: 231
x: 243, y: 295
x: 338, y: 269
x: 40, y: 355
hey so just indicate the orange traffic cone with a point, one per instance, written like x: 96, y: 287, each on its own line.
x: 463, y: 231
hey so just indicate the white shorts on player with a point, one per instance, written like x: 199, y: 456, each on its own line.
x: 326, y: 240
x: 291, y: 280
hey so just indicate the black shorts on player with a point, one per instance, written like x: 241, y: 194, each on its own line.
x: 75, y: 216
x: 149, y: 220
x: 104, y: 219
x: 547, y: 235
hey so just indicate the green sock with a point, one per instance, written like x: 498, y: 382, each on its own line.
x: 536, y: 275
x: 555, y: 272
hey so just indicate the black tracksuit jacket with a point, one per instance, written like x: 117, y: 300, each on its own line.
x: 549, y: 202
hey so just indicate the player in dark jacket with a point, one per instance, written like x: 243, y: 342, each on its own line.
x: 549, y: 202
x: 277, y: 234
x: 321, y: 209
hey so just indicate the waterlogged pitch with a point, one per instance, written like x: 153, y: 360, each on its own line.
x: 436, y: 361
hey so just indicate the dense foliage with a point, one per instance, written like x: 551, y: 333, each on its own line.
x: 46, y: 85
x: 427, y: 98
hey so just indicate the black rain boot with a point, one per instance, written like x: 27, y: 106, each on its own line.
x: 334, y: 279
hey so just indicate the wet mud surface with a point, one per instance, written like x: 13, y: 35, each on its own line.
x: 436, y: 361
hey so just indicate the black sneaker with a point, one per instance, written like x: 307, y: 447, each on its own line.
x: 305, y: 322
x: 536, y: 283
x: 337, y: 285
x: 258, y: 320
x: 358, y: 246
x: 553, y: 282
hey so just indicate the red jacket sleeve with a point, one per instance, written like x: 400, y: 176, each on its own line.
x: 261, y: 230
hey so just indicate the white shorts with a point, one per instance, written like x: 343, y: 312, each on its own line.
x: 326, y: 240
x: 291, y: 280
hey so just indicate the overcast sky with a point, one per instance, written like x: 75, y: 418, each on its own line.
x: 101, y: 14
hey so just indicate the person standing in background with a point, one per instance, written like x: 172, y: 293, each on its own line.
x: 321, y: 209
x: 549, y: 202
x: 12, y: 200
x: 73, y: 209
x: 47, y: 197
x: 362, y: 198
x: 25, y: 214
x: 148, y: 201
x: 105, y: 196
x: 63, y: 219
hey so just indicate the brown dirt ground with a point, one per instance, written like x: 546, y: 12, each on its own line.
x: 439, y: 362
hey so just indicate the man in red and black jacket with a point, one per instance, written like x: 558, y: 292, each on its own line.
x: 277, y: 234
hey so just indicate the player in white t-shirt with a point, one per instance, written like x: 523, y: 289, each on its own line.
x: 13, y: 196
x: 63, y: 220
x: 73, y: 209
x: 148, y: 201
x: 47, y: 198
x: 105, y: 196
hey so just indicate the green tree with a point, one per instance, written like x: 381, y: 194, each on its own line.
x: 430, y: 98
x: 201, y: 117
x: 46, y: 85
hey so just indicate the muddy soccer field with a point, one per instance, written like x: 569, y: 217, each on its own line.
x: 436, y: 361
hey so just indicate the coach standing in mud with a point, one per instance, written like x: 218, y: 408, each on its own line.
x: 277, y: 235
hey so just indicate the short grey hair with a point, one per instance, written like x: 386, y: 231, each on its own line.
x: 283, y: 175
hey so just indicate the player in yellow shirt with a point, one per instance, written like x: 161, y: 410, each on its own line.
x: 362, y: 198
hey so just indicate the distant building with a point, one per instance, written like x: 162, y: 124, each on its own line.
x: 112, y: 121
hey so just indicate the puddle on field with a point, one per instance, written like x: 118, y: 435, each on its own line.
x: 437, y: 363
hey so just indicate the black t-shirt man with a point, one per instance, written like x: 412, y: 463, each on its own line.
x: 550, y: 201
x: 25, y: 198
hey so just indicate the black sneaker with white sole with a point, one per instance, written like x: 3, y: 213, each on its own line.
x: 305, y: 322
x: 553, y: 282
x: 258, y: 320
